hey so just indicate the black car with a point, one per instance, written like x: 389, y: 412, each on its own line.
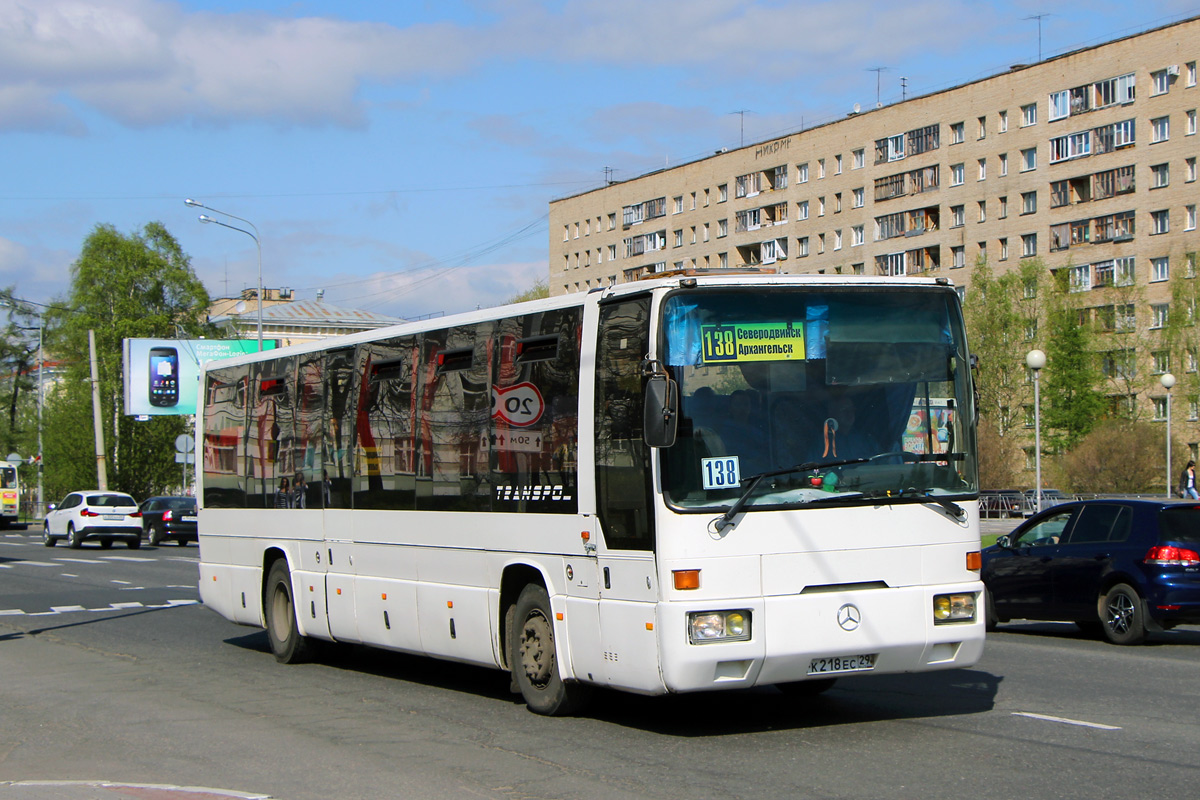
x: 1120, y: 567
x: 169, y: 518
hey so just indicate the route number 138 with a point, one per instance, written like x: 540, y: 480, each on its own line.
x: 720, y: 473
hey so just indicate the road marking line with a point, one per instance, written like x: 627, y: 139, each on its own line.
x: 134, y: 604
x: 123, y: 583
x: 11, y: 612
x: 13, y: 544
x: 79, y: 560
x: 35, y: 563
x: 5, y: 566
x: 68, y: 575
x: 131, y: 588
x: 62, y: 609
x: 1066, y: 721
x: 126, y: 558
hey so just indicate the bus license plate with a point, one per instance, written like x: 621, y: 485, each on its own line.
x: 859, y: 663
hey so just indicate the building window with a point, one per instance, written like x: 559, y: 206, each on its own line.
x: 802, y: 247
x: 802, y: 209
x: 1160, y: 129
x: 957, y: 133
x: 1161, y: 221
x: 859, y: 195
x: 1003, y: 208
x: 1003, y: 121
x: 1028, y: 202
x: 1191, y: 122
x: 857, y: 236
x: 860, y: 158
x: 722, y: 193
x: 837, y: 239
x: 1080, y: 278
x: 820, y: 168
x: 722, y: 228
x: 723, y: 260
x: 1160, y: 176
x: 1004, y: 249
x: 983, y: 211
x: 1158, y: 314
x: 837, y: 203
x: 679, y: 204
x: 1003, y: 164
x: 1191, y: 73
x: 958, y: 257
x: 802, y: 173
x: 1028, y: 245
x: 612, y: 252
x: 983, y: 169
x: 1029, y: 115
x: 982, y: 127
x: 837, y: 164
x: 1159, y: 269
x: 1191, y: 169
x: 957, y: 217
x: 1029, y: 159
x: 820, y: 206
x: 1160, y: 82
x: 956, y: 174
x: 679, y: 238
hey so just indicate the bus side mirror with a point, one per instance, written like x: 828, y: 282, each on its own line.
x: 661, y: 414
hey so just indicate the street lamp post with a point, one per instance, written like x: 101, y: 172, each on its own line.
x: 207, y: 219
x: 1035, y: 360
x: 1168, y: 382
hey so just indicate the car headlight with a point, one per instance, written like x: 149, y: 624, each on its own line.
x: 718, y: 626
x: 953, y: 608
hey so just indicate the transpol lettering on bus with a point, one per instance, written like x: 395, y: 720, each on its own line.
x: 683, y: 484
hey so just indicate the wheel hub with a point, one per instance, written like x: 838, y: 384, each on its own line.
x: 536, y: 658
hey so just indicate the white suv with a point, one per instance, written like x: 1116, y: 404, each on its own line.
x: 102, y: 516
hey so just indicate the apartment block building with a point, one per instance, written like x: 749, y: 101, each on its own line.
x: 1086, y: 161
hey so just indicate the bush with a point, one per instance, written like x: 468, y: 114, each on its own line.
x: 1120, y: 457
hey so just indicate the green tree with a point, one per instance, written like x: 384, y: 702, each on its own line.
x: 1071, y: 403
x: 139, y: 285
x: 18, y: 361
x: 539, y: 291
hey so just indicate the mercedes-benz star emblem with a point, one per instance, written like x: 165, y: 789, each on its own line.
x: 848, y: 617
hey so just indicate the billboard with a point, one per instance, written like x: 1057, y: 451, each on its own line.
x: 162, y: 375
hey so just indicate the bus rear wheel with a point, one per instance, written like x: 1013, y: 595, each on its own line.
x: 287, y: 644
x: 533, y: 662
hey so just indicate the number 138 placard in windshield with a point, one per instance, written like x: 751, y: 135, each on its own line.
x: 758, y: 341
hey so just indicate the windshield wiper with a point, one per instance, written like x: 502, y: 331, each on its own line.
x: 726, y: 519
x: 952, y: 508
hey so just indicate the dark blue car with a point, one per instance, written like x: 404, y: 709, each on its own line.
x: 1117, y: 567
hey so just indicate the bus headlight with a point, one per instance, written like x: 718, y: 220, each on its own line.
x: 718, y: 626
x: 953, y: 608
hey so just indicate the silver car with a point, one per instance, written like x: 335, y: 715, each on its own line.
x: 94, y: 515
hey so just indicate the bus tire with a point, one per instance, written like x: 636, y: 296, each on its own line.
x: 287, y: 644
x: 533, y: 661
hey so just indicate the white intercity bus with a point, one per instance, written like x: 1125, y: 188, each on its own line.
x: 688, y: 483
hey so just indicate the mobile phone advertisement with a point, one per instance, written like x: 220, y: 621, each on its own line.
x: 162, y: 376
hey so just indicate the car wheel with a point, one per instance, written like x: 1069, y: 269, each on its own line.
x: 47, y: 539
x: 181, y: 542
x: 74, y: 536
x: 106, y: 543
x: 807, y: 688
x: 1122, y: 615
x: 990, y: 619
x: 532, y: 658
x: 287, y: 644
x: 134, y: 543
x: 155, y: 536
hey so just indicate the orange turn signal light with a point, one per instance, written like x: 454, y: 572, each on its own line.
x: 974, y: 561
x: 686, y: 578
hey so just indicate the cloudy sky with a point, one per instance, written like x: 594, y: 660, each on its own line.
x: 400, y: 154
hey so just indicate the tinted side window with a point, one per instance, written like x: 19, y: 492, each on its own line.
x: 1048, y: 531
x: 1101, y: 523
x: 223, y: 450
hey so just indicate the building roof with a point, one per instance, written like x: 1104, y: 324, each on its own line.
x: 314, y: 313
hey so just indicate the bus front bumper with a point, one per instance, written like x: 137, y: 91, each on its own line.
x: 820, y: 635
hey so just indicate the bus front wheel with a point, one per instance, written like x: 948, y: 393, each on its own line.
x: 287, y: 644
x: 532, y: 658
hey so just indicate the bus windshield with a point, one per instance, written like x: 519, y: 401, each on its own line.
x: 769, y: 381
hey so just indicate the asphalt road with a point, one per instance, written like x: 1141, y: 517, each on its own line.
x: 109, y: 671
